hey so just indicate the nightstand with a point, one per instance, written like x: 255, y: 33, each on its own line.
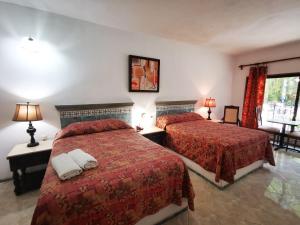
x: 28, y: 165
x: 154, y: 134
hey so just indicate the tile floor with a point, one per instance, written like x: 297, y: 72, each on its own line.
x: 268, y: 196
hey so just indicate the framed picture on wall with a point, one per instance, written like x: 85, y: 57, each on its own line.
x: 143, y: 74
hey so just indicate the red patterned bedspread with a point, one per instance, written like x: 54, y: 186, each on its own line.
x: 219, y: 148
x: 135, y: 178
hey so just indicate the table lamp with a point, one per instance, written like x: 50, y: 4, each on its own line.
x: 140, y: 126
x: 28, y: 112
x: 210, y: 103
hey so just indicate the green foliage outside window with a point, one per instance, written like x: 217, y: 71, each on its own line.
x: 281, y: 90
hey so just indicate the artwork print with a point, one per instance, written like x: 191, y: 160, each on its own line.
x: 143, y: 74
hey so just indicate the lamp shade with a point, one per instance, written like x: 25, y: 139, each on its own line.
x: 210, y: 102
x: 27, y: 112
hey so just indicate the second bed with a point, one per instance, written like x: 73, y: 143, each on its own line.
x: 219, y: 152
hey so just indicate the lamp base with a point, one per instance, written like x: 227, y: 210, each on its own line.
x: 209, y: 112
x: 138, y: 128
x: 32, y: 144
x: 31, y: 130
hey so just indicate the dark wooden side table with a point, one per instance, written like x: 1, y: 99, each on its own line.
x: 284, y: 123
x: 28, y: 165
x: 154, y: 134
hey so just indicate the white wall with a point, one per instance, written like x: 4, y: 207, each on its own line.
x: 87, y: 63
x: 279, y: 52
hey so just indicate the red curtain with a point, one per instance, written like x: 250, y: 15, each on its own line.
x: 254, y: 95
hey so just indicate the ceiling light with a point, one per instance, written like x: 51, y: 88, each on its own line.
x: 30, y: 45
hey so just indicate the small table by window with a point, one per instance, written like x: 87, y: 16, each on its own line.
x: 284, y: 124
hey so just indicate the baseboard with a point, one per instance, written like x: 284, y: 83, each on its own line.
x: 5, y: 180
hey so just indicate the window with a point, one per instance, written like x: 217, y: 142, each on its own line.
x: 281, y: 98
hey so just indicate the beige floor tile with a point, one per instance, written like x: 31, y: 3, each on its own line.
x: 269, y: 196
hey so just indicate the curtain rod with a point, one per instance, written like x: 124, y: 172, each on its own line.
x: 266, y: 62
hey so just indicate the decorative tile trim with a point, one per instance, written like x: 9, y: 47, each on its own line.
x: 94, y: 112
x: 92, y: 106
x: 174, y: 107
x: 186, y: 102
x: 76, y: 113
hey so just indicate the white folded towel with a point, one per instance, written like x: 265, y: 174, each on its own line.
x: 65, y: 167
x: 83, y: 159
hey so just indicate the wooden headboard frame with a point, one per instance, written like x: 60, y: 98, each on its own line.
x: 76, y: 113
x: 174, y: 107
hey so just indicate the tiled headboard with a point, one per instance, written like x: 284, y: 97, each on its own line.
x: 174, y: 107
x: 76, y: 113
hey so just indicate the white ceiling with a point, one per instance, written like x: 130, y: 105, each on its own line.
x: 231, y: 26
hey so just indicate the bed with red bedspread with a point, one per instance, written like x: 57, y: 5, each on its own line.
x: 218, y: 148
x: 134, y: 178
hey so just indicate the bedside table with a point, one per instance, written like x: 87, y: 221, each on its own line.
x: 154, y: 134
x: 26, y: 165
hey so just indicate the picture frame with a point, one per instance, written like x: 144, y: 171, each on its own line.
x: 144, y: 74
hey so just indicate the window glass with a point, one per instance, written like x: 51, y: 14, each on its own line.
x: 280, y: 98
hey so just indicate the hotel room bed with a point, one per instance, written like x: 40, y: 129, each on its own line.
x: 136, y: 181
x: 221, y: 153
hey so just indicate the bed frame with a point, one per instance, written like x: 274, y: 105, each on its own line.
x: 171, y: 214
x: 177, y: 107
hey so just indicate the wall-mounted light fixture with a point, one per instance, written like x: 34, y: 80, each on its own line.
x: 140, y: 126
